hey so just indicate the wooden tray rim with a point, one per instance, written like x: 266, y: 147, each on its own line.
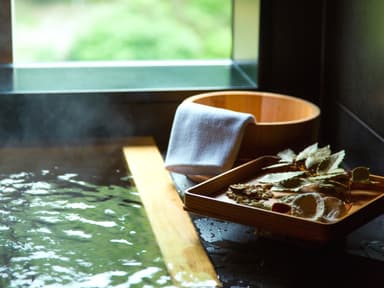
x: 205, y: 193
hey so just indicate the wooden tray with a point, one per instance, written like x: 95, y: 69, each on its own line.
x: 208, y: 198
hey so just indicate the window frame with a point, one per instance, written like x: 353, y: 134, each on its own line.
x: 6, y: 32
x: 239, y: 64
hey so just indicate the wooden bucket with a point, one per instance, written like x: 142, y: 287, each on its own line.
x: 282, y: 121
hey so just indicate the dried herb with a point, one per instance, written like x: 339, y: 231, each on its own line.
x: 360, y: 175
x: 314, y: 165
x: 318, y: 187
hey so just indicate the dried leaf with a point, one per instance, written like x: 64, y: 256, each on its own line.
x: 331, y: 163
x: 307, y: 152
x: 287, y: 156
x: 279, y: 188
x: 317, y: 156
x: 295, y: 182
x: 336, y: 175
x: 279, y: 177
x: 277, y: 165
x: 360, y: 174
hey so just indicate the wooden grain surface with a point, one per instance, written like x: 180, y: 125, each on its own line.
x: 183, y: 253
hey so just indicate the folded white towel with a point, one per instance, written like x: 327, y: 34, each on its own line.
x: 205, y: 140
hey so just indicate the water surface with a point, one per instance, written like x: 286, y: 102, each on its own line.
x: 60, y: 229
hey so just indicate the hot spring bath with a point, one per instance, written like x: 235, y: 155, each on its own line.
x: 73, y: 218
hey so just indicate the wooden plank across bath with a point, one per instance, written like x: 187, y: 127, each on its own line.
x: 183, y: 253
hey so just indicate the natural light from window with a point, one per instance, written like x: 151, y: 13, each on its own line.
x: 121, y: 30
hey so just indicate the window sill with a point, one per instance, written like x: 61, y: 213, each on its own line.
x: 123, y: 77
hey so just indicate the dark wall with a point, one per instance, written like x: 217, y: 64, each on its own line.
x: 331, y: 52
x: 354, y: 80
x: 290, y: 56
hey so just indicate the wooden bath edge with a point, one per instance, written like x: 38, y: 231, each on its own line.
x: 185, y: 257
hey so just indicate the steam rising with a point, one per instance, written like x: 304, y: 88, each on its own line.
x: 55, y: 118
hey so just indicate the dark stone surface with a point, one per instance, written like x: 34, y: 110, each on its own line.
x: 246, y: 257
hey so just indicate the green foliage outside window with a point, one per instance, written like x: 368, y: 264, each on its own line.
x: 122, y: 30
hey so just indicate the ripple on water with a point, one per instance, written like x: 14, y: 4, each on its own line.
x: 61, y: 231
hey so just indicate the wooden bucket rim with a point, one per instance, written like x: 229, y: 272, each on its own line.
x: 315, y: 109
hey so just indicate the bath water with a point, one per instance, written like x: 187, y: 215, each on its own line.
x: 60, y: 229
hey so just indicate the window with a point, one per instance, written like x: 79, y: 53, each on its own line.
x: 236, y: 71
x: 121, y: 30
